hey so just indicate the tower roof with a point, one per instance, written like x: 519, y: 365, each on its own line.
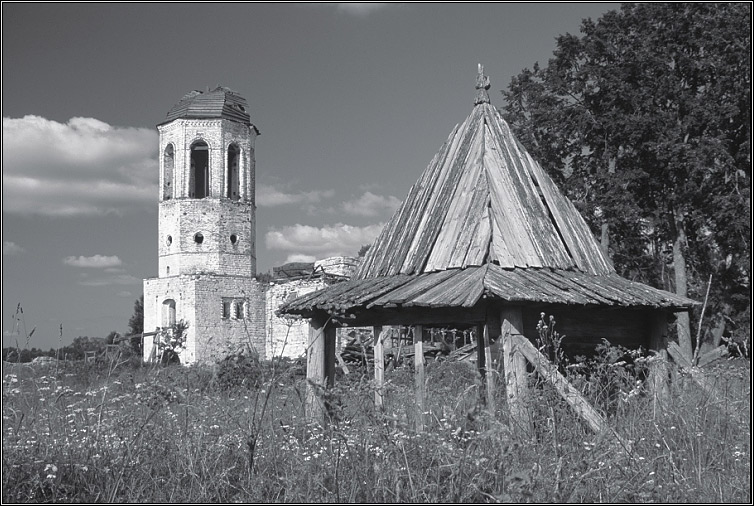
x: 220, y: 103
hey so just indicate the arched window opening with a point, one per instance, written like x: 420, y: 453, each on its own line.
x: 168, y: 163
x: 199, y: 177
x: 234, y: 157
x: 168, y: 313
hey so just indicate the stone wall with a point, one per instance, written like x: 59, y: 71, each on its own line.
x: 227, y: 237
x: 287, y: 336
x: 338, y: 266
x: 222, y: 335
x: 211, y: 334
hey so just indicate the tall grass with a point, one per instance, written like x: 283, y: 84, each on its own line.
x: 116, y: 432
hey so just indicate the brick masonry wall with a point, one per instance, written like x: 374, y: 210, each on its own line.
x: 156, y: 292
x: 287, y: 336
x: 219, y: 337
x: 210, y: 337
x: 216, y: 220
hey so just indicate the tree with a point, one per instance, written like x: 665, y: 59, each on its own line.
x: 136, y: 322
x: 363, y: 250
x: 136, y: 325
x: 645, y: 122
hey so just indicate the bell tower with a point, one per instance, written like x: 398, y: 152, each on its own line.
x: 206, y: 231
x: 206, y: 201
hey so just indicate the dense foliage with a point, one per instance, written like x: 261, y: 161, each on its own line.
x: 645, y: 121
x: 117, y: 432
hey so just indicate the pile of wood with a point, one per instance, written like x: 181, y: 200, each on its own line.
x: 361, y: 351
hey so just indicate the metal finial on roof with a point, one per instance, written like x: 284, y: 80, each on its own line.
x: 482, y: 85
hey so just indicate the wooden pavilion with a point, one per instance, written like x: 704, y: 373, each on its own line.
x: 485, y: 239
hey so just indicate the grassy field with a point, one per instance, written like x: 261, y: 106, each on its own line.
x: 109, y: 432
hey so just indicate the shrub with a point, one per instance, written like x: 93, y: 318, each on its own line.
x: 239, y: 371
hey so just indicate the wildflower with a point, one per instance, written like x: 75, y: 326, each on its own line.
x: 51, y: 470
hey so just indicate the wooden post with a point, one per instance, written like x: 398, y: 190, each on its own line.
x: 419, y: 376
x: 379, y: 366
x: 330, y: 337
x: 481, y: 363
x: 658, y: 369
x: 315, y: 369
x: 489, y: 369
x: 514, y: 365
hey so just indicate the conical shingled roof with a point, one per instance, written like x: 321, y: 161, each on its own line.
x: 220, y: 103
x: 484, y: 219
x: 481, y: 200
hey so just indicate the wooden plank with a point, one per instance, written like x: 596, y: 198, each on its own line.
x: 508, y: 212
x: 658, y: 366
x: 402, y: 232
x: 514, y: 364
x: 461, y: 214
x: 425, y: 239
x: 413, y: 288
x: 379, y: 366
x: 419, y: 377
x: 542, y: 234
x: 505, y: 281
x: 442, y: 295
x: 582, y: 245
x: 489, y: 369
x: 330, y: 338
x: 473, y: 219
x: 479, y: 249
x: 549, y: 372
x: 342, y: 363
x: 315, y: 370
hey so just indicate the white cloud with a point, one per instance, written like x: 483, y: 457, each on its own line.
x: 369, y: 204
x: 96, y: 261
x: 125, y: 293
x: 360, y: 9
x: 297, y: 257
x: 321, y: 242
x: 11, y: 248
x: 120, y: 279
x: 82, y: 167
x: 269, y: 196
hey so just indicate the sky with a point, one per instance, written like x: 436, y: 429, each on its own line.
x: 352, y: 102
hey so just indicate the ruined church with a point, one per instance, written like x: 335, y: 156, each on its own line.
x: 206, y: 283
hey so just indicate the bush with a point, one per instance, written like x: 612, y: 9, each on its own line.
x: 239, y: 371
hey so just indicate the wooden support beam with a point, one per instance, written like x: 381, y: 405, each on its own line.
x: 550, y: 373
x: 379, y: 366
x: 480, y: 362
x: 330, y: 338
x: 419, y: 376
x: 489, y: 369
x: 514, y: 365
x: 659, y: 373
x: 315, y: 369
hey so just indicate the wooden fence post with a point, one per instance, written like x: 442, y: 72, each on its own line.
x: 379, y: 366
x: 419, y: 376
x: 315, y: 369
x: 514, y: 365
